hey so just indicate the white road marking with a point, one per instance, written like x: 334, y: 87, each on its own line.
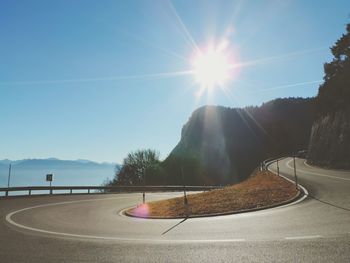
x: 324, y: 175
x: 303, y: 237
x: 63, y: 234
x: 308, y: 165
x: 306, y: 193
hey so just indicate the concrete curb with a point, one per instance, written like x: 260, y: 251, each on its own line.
x: 289, y: 201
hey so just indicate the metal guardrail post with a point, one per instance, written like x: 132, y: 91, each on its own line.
x: 9, y: 176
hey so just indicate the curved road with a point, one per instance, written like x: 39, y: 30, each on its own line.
x: 90, y: 228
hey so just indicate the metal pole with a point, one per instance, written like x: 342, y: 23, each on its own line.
x: 144, y: 185
x: 185, y: 195
x: 295, y: 173
x: 9, y: 177
x: 183, y: 181
x: 50, y: 188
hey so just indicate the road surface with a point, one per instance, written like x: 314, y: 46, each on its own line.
x: 90, y: 228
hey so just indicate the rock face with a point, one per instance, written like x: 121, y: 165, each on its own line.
x: 330, y: 138
x: 224, y: 145
x: 330, y: 141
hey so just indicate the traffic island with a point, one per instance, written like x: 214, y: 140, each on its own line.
x: 262, y: 190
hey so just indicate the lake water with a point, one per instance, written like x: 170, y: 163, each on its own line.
x: 62, y: 177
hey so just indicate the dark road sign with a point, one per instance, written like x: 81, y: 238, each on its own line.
x: 49, y: 177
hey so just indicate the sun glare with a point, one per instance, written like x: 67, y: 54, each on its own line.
x: 211, y: 67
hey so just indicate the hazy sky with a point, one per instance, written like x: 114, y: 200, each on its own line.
x: 97, y: 79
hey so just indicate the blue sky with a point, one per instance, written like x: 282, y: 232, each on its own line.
x: 92, y: 79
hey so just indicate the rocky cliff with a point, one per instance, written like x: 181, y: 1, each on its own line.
x: 330, y: 137
x: 330, y: 141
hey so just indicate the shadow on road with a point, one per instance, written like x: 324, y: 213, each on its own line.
x: 174, y: 226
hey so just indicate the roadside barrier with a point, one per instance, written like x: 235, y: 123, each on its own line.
x: 105, y: 189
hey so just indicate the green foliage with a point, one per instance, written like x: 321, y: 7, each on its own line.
x: 334, y: 93
x: 140, y: 167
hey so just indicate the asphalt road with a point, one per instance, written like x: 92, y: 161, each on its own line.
x: 90, y: 228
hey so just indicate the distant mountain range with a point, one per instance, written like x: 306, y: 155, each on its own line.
x: 53, y: 162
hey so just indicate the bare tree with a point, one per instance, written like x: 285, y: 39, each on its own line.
x: 140, y: 167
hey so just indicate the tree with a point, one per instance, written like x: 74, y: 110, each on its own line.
x: 140, y: 167
x: 334, y: 93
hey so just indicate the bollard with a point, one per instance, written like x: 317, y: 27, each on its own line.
x: 295, y: 173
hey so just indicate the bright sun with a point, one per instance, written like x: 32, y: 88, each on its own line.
x: 211, y: 68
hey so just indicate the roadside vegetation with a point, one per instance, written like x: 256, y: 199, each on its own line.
x: 262, y: 189
x: 141, y: 167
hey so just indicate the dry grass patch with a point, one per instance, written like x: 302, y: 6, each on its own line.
x: 261, y: 190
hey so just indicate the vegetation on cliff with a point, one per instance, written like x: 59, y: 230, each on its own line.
x: 330, y: 137
x: 334, y: 93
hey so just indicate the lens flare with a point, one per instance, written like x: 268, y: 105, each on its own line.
x: 141, y: 210
x: 212, y: 66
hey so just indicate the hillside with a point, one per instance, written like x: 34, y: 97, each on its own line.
x: 224, y: 145
x: 330, y: 137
